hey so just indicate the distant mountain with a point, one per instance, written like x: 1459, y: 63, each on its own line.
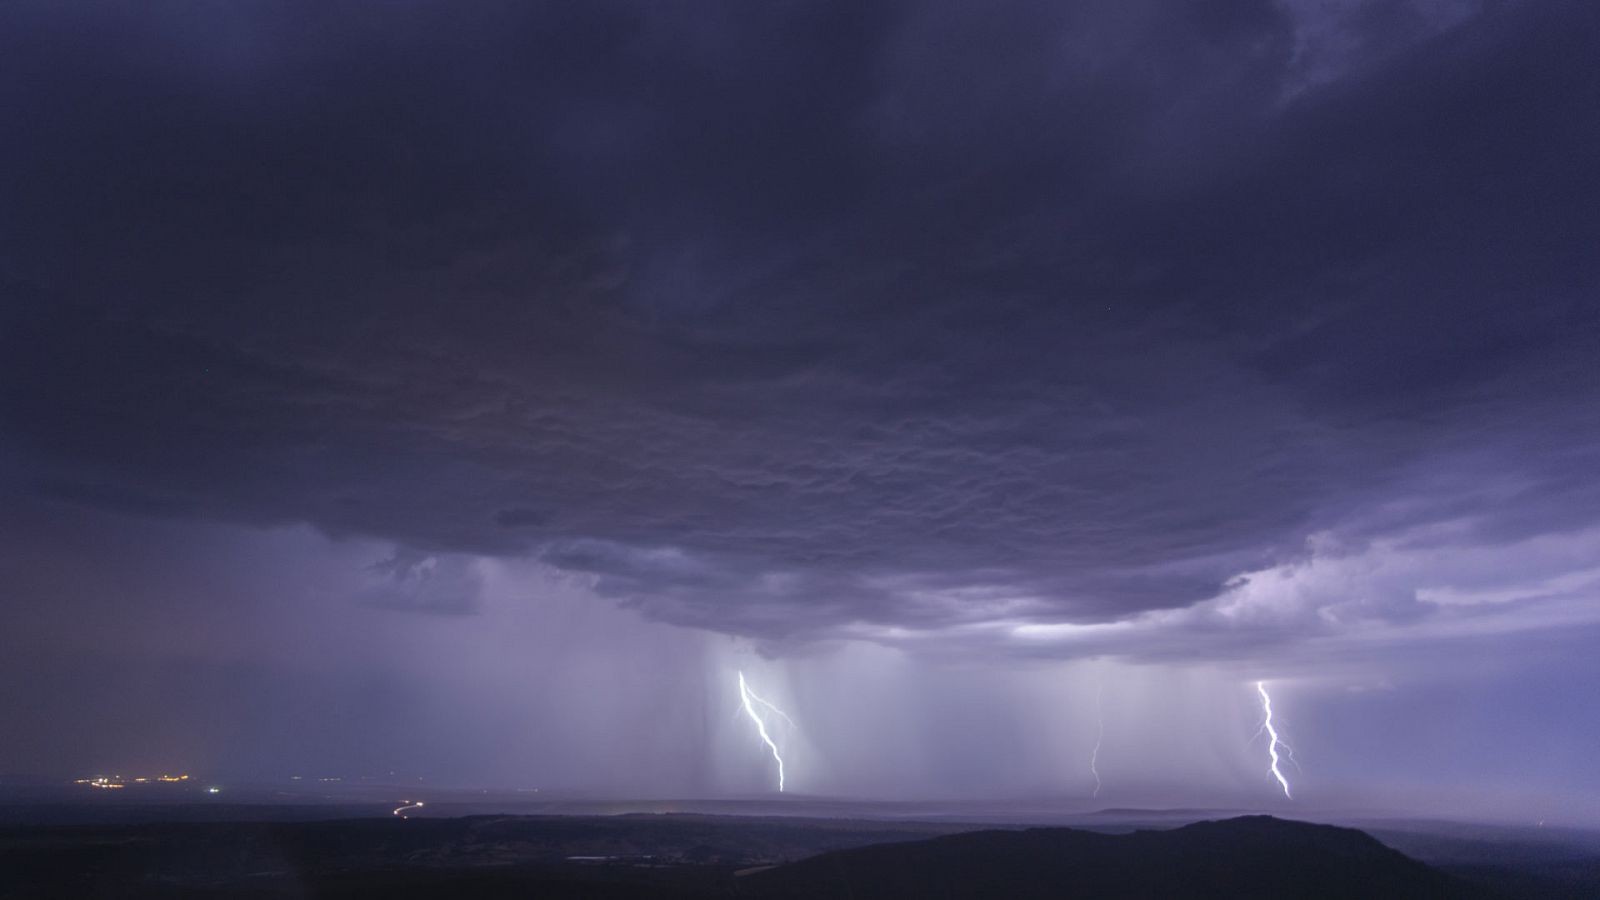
x: 1235, y: 859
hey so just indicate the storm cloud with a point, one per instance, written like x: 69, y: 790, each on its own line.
x: 897, y: 322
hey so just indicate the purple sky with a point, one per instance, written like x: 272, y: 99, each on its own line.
x: 475, y: 389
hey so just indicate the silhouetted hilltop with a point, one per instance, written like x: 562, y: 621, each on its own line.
x: 688, y: 856
x: 1234, y: 859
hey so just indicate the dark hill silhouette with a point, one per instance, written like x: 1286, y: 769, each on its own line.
x: 1234, y: 859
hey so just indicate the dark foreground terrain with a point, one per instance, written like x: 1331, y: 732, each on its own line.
x: 712, y: 856
x: 1250, y: 857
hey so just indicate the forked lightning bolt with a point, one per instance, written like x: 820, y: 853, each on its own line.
x: 1099, y: 735
x: 780, y: 713
x: 746, y: 696
x: 1272, y: 738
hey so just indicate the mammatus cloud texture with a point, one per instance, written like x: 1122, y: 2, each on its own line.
x: 1144, y: 329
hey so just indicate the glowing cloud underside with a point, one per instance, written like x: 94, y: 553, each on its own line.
x: 746, y: 696
x: 1272, y: 738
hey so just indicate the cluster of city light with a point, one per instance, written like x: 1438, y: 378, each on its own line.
x: 117, y: 782
x: 750, y: 700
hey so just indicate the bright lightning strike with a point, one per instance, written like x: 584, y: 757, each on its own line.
x: 1272, y: 738
x: 746, y: 695
x: 1099, y: 736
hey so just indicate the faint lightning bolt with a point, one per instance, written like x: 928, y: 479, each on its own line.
x: 781, y: 714
x: 1099, y: 735
x: 1272, y: 738
x: 747, y: 695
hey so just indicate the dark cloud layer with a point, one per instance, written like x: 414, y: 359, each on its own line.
x: 788, y: 321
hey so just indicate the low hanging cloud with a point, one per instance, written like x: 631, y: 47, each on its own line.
x: 408, y: 581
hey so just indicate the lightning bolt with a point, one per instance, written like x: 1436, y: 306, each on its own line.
x: 746, y: 695
x: 1099, y: 735
x: 405, y: 806
x: 1272, y: 738
x: 780, y: 713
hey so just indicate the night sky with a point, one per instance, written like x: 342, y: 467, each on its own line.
x: 473, y: 390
